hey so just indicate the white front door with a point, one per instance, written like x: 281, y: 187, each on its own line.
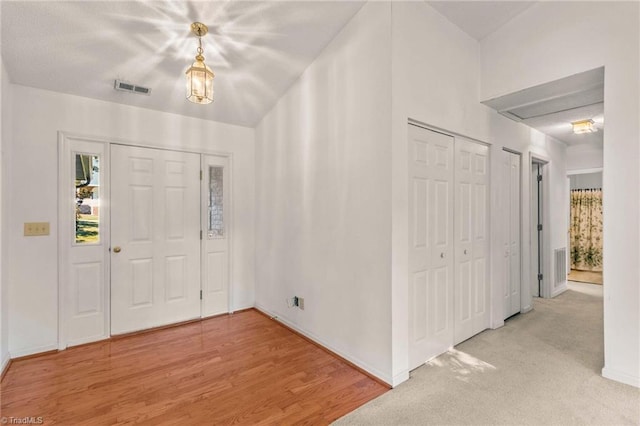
x: 510, y: 206
x: 155, y: 238
x: 430, y: 244
x: 471, y: 239
x: 215, y: 240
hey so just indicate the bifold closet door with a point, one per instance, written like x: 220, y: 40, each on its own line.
x: 155, y: 238
x: 471, y: 239
x: 430, y: 244
x: 510, y: 207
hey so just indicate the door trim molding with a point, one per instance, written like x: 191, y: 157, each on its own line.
x: 445, y: 132
x: 63, y: 251
x: 584, y: 171
x: 64, y: 231
x: 545, y: 290
x: 129, y: 142
x: 64, y: 150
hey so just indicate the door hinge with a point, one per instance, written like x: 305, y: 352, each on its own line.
x: 539, y: 178
x: 201, y: 174
x: 201, y: 234
x: 539, y: 277
x: 539, y: 227
x: 200, y: 294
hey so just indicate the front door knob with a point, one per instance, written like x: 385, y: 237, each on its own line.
x: 116, y: 249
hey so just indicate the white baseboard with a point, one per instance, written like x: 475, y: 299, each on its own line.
x: 32, y: 351
x: 241, y: 308
x: 621, y: 377
x: 400, y: 378
x: 559, y: 290
x: 86, y: 340
x: 371, y: 370
x: 497, y: 324
x: 4, y: 363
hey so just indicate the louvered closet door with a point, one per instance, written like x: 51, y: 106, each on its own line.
x: 155, y: 238
x: 471, y: 239
x: 430, y: 244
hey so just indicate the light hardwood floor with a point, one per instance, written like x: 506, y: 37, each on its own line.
x: 234, y: 369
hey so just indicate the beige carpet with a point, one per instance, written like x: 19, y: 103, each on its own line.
x: 541, y: 368
x: 585, y: 276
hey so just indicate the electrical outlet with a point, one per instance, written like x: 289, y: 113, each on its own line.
x: 295, y: 300
x: 32, y: 229
x: 301, y: 303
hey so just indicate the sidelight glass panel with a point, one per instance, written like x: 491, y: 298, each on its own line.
x: 87, y: 206
x: 216, y: 202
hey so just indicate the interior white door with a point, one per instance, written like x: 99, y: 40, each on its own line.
x: 430, y: 244
x: 155, y: 238
x: 510, y: 203
x: 216, y: 236
x: 471, y: 239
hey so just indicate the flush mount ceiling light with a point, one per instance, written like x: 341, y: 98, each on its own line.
x: 583, y: 126
x: 199, y: 76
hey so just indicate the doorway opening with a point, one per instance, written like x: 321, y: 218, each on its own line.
x: 144, y: 238
x: 539, y: 254
x: 585, y: 226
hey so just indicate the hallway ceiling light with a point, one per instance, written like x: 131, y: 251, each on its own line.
x: 583, y: 126
x: 199, y: 75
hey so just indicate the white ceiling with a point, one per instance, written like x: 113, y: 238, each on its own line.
x: 256, y: 49
x: 558, y: 125
x: 480, y: 18
x: 552, y: 107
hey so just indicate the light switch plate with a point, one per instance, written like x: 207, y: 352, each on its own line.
x: 33, y: 229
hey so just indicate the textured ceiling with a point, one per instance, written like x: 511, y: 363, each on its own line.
x: 552, y: 107
x: 480, y: 18
x: 256, y: 49
x: 558, y: 125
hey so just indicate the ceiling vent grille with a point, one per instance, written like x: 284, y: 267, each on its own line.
x: 131, y: 88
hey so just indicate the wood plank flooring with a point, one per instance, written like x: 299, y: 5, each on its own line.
x: 234, y: 369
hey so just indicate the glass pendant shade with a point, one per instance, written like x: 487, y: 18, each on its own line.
x: 200, y: 82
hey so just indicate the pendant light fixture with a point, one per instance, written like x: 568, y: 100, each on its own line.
x: 199, y: 75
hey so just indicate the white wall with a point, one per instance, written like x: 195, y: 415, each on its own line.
x: 530, y: 143
x: 435, y: 81
x: 545, y: 43
x: 323, y: 190
x: 586, y: 181
x: 558, y: 201
x: 5, y: 127
x: 4, y: 354
x: 584, y: 157
x: 32, y: 261
x: 436, y: 68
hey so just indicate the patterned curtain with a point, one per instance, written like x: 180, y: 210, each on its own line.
x: 586, y: 229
